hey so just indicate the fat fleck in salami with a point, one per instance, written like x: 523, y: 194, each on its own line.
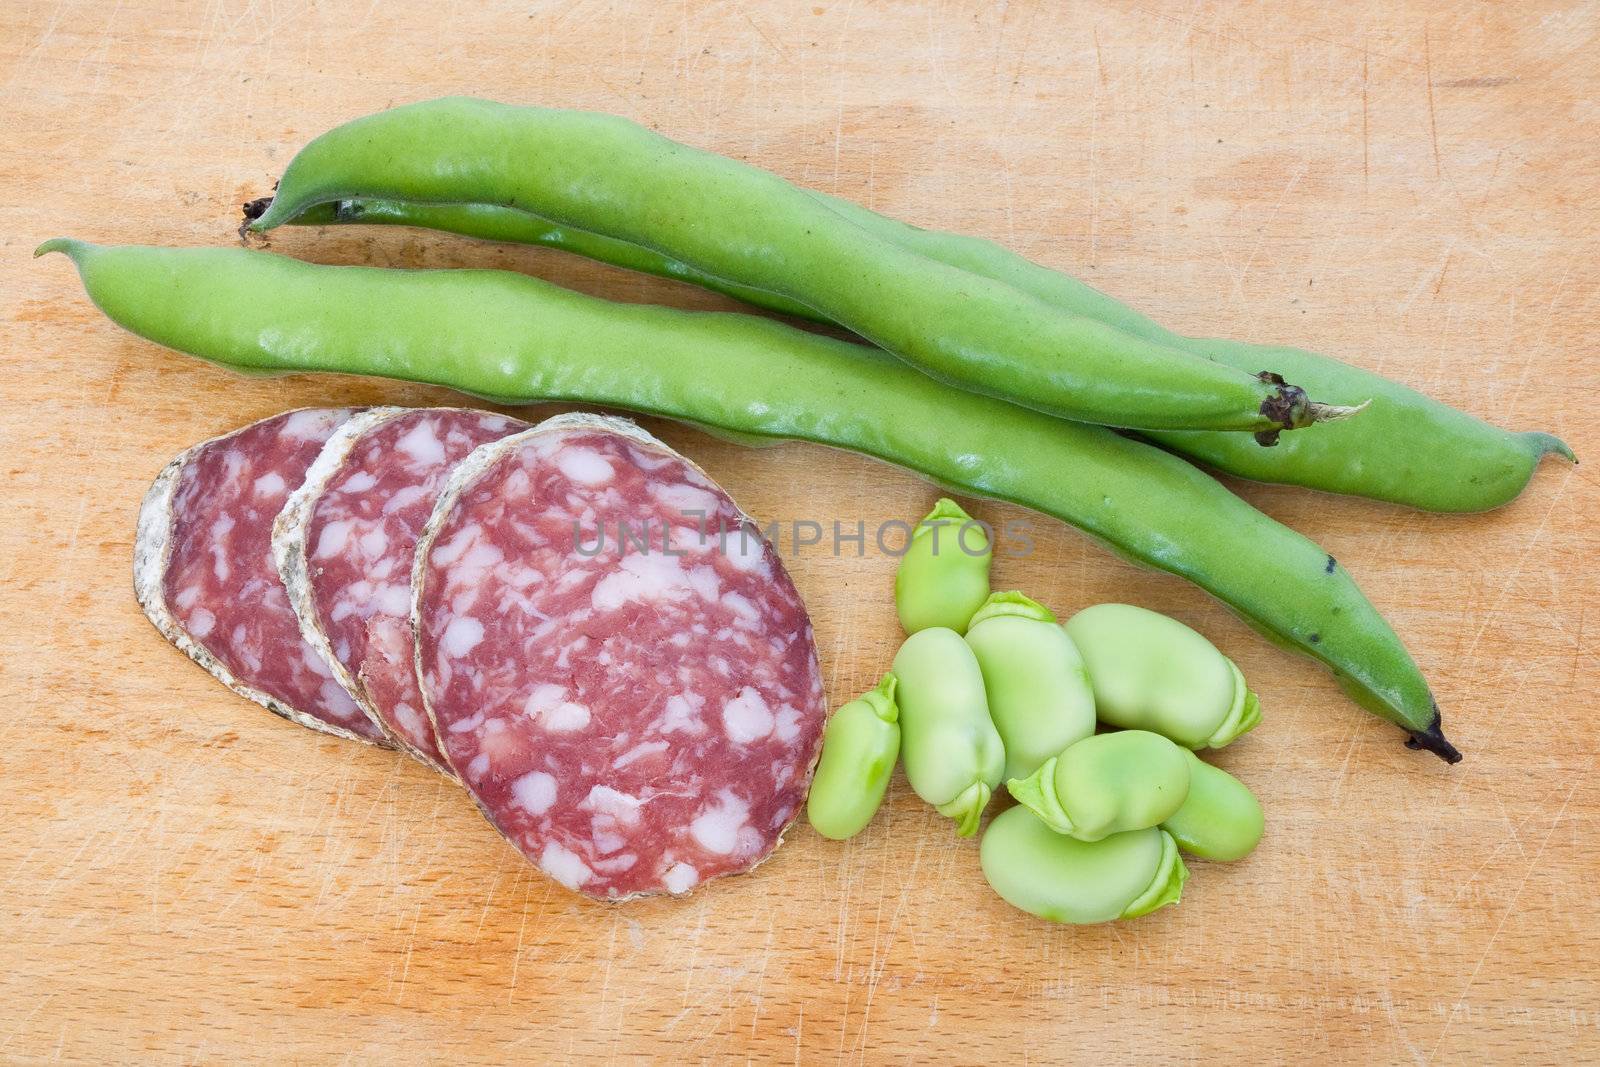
x: 345, y: 544
x: 635, y: 720
x: 204, y: 572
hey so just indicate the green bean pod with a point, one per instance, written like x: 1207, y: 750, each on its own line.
x: 952, y: 754
x: 614, y: 178
x: 1038, y: 688
x: 511, y: 338
x: 1065, y: 880
x: 1220, y: 819
x: 944, y: 575
x: 859, y: 749
x: 1406, y: 448
x: 488, y: 222
x: 1107, y: 784
x: 1151, y: 672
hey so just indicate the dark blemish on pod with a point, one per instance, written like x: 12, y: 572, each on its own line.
x: 1315, y: 639
x: 1332, y: 563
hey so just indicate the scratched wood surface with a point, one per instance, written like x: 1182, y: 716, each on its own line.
x: 1412, y: 186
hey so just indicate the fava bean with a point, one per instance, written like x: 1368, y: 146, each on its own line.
x: 1107, y: 784
x: 944, y: 575
x: 953, y: 756
x: 1063, y: 879
x: 1220, y: 819
x: 1150, y: 672
x: 859, y: 747
x: 1038, y: 690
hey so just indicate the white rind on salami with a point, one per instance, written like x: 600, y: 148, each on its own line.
x: 203, y: 570
x: 288, y: 546
x: 634, y: 722
x: 344, y: 546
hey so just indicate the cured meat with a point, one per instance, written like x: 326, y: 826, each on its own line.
x: 345, y: 544
x: 636, y: 717
x: 204, y: 573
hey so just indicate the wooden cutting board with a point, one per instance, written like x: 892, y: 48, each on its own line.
x: 1411, y: 186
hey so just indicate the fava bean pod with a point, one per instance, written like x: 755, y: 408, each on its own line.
x: 512, y: 338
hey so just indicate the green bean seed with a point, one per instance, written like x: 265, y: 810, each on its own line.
x: 1150, y: 672
x: 953, y: 756
x: 1107, y: 784
x: 610, y: 177
x: 1220, y: 819
x: 859, y: 747
x: 1063, y: 879
x: 944, y: 575
x: 513, y: 338
x: 1039, y: 695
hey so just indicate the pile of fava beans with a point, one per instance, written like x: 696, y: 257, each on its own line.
x: 990, y: 688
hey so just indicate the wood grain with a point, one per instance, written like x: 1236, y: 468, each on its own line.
x: 1408, y: 185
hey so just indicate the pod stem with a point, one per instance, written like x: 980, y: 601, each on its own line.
x: 252, y: 210
x: 1288, y: 408
x: 1433, y: 740
x: 1336, y: 412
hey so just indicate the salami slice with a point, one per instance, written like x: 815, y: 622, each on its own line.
x: 345, y: 542
x: 204, y: 573
x: 614, y: 659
